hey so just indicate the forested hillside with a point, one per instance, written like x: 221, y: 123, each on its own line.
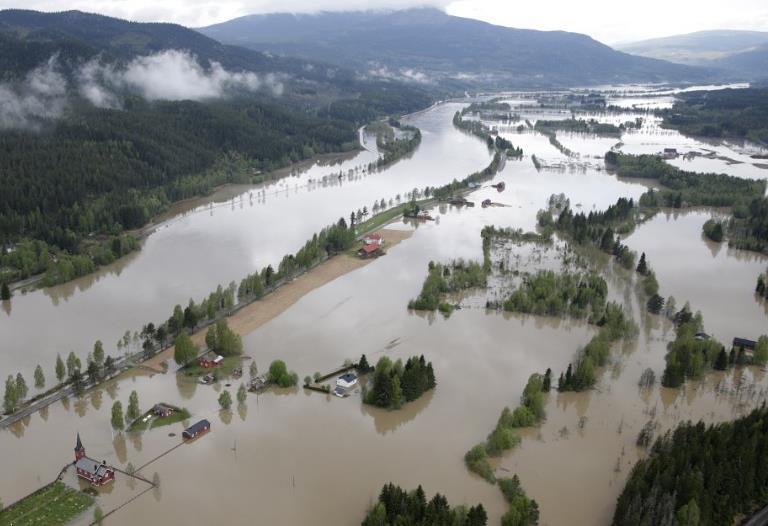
x: 703, y: 475
x: 61, y: 184
x: 104, y: 122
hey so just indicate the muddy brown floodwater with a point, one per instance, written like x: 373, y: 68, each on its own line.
x: 290, y: 456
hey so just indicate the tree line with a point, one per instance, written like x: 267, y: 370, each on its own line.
x: 185, y: 320
x: 522, y: 511
x: 99, y: 366
x: 503, y: 438
x: 574, y: 125
x: 699, y: 475
x: 105, y: 171
x: 480, y: 130
x: 721, y: 113
x: 683, y: 188
x: 396, y: 506
x: 614, y: 326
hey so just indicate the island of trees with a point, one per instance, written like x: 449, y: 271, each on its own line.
x: 396, y: 506
x: 547, y: 293
x: 395, y: 384
x: 573, y: 125
x: 442, y: 280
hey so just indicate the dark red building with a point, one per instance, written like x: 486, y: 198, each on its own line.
x: 97, y: 473
x: 196, y: 429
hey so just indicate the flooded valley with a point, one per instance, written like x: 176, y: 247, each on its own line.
x: 291, y: 456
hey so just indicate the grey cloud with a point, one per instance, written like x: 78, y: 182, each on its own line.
x: 168, y: 75
x: 40, y: 96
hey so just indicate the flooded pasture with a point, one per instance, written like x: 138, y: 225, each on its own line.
x: 292, y: 456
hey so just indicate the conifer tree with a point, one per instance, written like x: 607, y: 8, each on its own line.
x: 39, y: 377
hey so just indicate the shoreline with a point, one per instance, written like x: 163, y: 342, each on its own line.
x: 244, y: 320
x: 183, y: 206
x: 262, y: 311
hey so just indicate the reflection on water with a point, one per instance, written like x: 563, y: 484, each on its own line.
x: 281, y: 452
x: 387, y: 421
x: 189, y: 255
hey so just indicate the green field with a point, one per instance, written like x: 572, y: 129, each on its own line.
x: 177, y: 416
x: 52, y: 505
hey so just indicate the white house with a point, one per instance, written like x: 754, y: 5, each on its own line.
x: 346, y: 381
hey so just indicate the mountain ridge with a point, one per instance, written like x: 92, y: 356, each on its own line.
x: 445, y: 48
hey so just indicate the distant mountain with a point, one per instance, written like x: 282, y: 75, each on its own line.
x: 753, y: 62
x: 28, y: 38
x: 700, y: 48
x: 427, y: 45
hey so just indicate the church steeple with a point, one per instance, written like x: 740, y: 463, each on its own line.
x: 79, y: 449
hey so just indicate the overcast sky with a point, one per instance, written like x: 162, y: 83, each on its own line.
x: 609, y: 21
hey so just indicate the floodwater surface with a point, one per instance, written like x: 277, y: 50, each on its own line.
x: 291, y: 456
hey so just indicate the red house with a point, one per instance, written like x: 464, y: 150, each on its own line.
x: 91, y: 470
x: 210, y: 360
x: 373, y: 239
x: 370, y: 251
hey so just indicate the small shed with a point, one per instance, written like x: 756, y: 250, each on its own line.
x: 196, y: 429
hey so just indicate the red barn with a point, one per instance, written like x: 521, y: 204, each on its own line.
x: 97, y: 473
x: 196, y: 429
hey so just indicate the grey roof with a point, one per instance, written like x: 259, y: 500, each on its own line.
x: 197, y: 427
x: 87, y: 464
x: 349, y: 377
x: 91, y: 466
